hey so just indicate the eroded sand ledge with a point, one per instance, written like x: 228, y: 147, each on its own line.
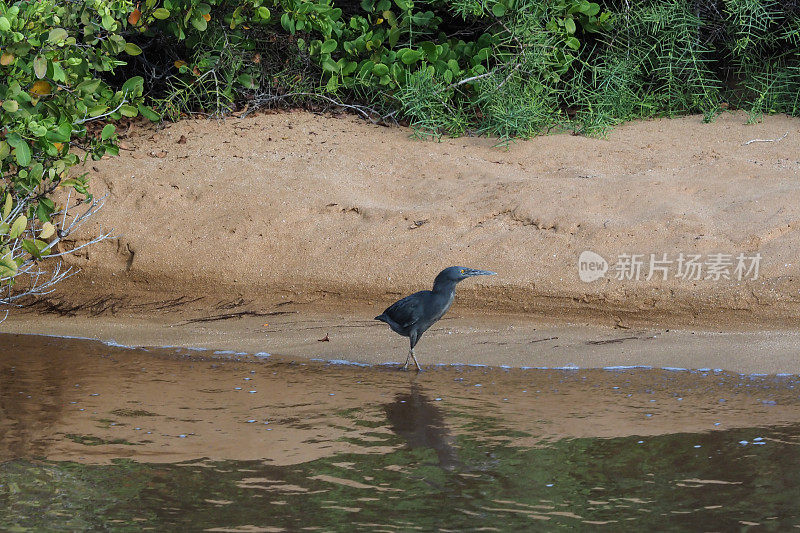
x: 301, y: 207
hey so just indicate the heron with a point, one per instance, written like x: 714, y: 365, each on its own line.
x: 414, y: 314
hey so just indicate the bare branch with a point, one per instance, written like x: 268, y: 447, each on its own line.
x: 30, y: 278
x: 782, y: 137
x: 366, y: 112
x: 104, y: 115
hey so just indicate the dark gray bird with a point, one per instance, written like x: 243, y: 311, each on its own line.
x: 413, y: 315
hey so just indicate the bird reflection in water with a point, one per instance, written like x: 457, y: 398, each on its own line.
x: 421, y: 423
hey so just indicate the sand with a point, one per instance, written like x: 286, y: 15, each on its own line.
x: 335, y: 215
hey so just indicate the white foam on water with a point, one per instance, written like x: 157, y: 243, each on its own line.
x: 345, y: 362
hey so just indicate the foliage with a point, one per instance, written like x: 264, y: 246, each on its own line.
x: 507, y: 68
x: 52, y: 59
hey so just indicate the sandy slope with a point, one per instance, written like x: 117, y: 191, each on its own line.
x: 249, y: 213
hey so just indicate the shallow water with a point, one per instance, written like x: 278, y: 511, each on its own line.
x: 98, y: 437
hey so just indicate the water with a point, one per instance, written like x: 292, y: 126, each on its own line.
x: 105, y: 438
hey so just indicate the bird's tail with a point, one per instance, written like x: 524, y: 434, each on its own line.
x: 382, y: 318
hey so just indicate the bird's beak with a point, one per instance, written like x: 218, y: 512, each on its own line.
x: 474, y: 272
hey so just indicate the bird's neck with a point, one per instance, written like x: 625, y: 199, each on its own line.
x: 444, y: 286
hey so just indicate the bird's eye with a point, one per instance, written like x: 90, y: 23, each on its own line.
x: 462, y: 270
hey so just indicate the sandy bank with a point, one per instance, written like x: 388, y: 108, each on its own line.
x: 250, y: 213
x: 515, y: 341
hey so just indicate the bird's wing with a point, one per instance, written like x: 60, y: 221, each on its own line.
x: 406, y: 311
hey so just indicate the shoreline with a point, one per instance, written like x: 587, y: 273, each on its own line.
x: 271, y: 232
x: 475, y: 340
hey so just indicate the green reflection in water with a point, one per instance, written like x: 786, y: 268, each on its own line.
x: 431, y: 481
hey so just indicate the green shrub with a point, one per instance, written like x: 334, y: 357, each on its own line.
x: 512, y: 68
x: 506, y: 68
x: 53, y: 56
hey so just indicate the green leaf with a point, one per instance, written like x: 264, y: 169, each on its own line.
x: 591, y: 9
x: 394, y: 36
x: 14, y: 139
x: 108, y: 131
x: 57, y: 35
x: 10, y: 105
x: 246, y: 80
x: 349, y: 68
x: 61, y: 134
x: 482, y: 55
x: 573, y: 43
x: 161, y: 13
x: 133, y: 86
x: 40, y: 66
x: 333, y: 84
x: 41, y: 245
x: 18, y: 227
x: 264, y: 13
x: 380, y: 69
x: 31, y: 248
x: 23, y: 154
x: 411, y: 56
x: 287, y: 23
x: 8, y: 267
x: 5, y: 25
x: 328, y: 46
x: 89, y: 86
x: 330, y: 65
x: 199, y: 22
x: 97, y: 110
x: 37, y: 129
x: 108, y: 22
x: 498, y: 10
x: 5, y: 149
x: 431, y: 52
x: 42, y: 213
x: 128, y: 110
x: 58, y: 73
x: 148, y: 113
x: 7, y: 206
x: 569, y: 25
x: 132, y: 49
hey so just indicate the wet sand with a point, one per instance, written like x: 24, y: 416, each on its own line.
x: 460, y: 338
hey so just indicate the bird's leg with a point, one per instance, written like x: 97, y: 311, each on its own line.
x: 419, y: 368
x: 408, y: 357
